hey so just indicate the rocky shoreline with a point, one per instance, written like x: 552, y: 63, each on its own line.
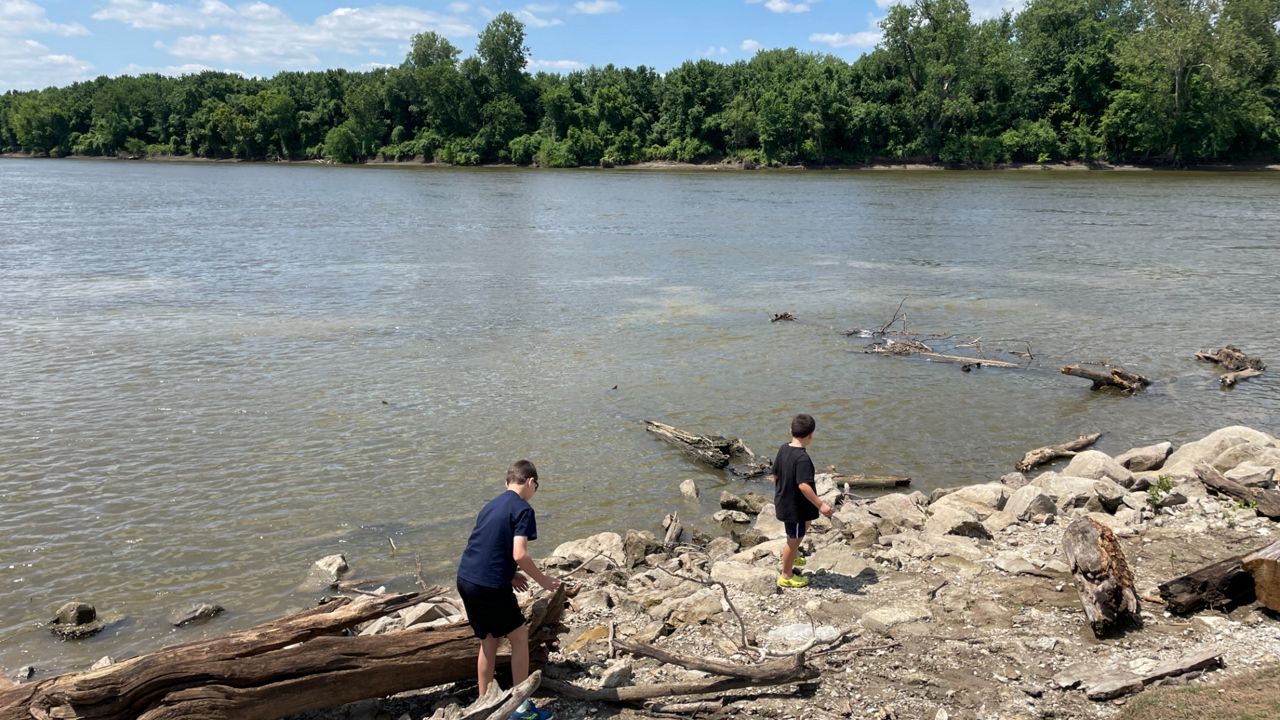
x: 959, y: 604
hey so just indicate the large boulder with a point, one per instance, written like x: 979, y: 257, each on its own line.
x: 1029, y: 501
x: 954, y: 519
x: 698, y: 608
x: 1251, y: 475
x: 1070, y: 492
x: 1148, y: 457
x: 990, y: 495
x: 897, y: 512
x: 755, y: 580
x: 637, y: 545
x: 577, y: 552
x: 768, y: 524
x: 1182, y: 461
x: 1246, y: 452
x: 1097, y: 465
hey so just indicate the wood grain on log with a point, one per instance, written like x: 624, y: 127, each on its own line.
x: 1264, y: 566
x: 1263, y: 502
x: 795, y: 671
x: 1102, y: 576
x: 1108, y: 376
x: 1221, y: 584
x: 293, y: 665
x: 1040, y: 456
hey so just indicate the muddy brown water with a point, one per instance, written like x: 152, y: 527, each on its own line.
x: 212, y: 375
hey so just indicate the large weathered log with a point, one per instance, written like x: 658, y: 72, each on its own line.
x: 270, y: 671
x: 1263, y: 502
x: 1102, y: 576
x: 1040, y: 456
x: 713, y: 450
x: 791, y: 671
x: 1231, y: 358
x: 1109, y: 376
x: 872, y: 481
x: 1221, y: 584
x: 1264, y: 566
x: 1230, y: 379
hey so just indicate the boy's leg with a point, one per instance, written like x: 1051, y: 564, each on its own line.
x: 519, y: 639
x: 488, y: 660
x: 789, y: 556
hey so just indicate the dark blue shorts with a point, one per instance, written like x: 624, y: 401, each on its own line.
x: 490, y: 611
x: 795, y: 530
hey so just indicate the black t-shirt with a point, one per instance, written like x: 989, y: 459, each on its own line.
x: 487, y: 560
x: 793, y: 467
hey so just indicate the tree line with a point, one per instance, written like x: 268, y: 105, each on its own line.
x: 1146, y: 81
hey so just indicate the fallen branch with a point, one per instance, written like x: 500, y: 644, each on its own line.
x: 1117, y: 377
x: 1263, y: 502
x: 795, y: 671
x: 1231, y: 378
x: 919, y: 349
x: 1040, y: 456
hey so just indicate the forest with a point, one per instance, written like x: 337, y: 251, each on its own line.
x: 1156, y: 82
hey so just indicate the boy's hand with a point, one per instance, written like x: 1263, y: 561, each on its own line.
x: 826, y: 510
x: 520, y: 583
x: 551, y: 583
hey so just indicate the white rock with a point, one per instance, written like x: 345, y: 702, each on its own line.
x: 334, y: 565
x: 1149, y: 457
x: 1253, y: 475
x: 689, y: 489
x: 897, y: 511
x: 1029, y: 501
x: 755, y: 580
x: 732, y: 516
x: 882, y: 620
x: 768, y: 524
x: 1097, y: 465
x: 954, y: 519
x: 609, y: 544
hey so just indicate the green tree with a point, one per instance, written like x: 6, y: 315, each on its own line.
x: 429, y: 48
x: 502, y: 51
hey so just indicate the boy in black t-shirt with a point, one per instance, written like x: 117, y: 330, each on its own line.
x: 794, y: 499
x: 487, y: 576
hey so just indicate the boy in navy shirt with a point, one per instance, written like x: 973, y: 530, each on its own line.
x: 794, y: 498
x: 487, y: 576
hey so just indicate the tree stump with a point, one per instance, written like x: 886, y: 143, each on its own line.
x: 1264, y: 566
x: 1102, y: 576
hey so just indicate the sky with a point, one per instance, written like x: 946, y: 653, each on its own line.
x: 57, y: 42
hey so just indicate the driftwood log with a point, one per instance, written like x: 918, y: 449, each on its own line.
x: 1109, y: 376
x: 714, y: 450
x: 1222, y: 584
x: 297, y: 664
x: 1102, y: 576
x: 916, y: 348
x: 1049, y: 453
x: 1264, y: 566
x: 726, y: 676
x: 1122, y: 682
x: 872, y: 481
x: 1231, y: 378
x: 1231, y: 358
x: 1263, y: 502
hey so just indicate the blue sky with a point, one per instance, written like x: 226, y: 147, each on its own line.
x: 57, y: 42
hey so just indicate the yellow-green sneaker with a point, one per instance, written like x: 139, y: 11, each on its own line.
x: 795, y: 581
x: 800, y: 561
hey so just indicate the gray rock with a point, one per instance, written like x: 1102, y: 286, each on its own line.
x: 617, y: 675
x: 698, y: 608
x: 383, y: 625
x: 836, y: 559
x: 24, y: 673
x: 1097, y: 465
x: 948, y: 519
x: 768, y: 525
x: 731, y: 516
x: 722, y: 547
x: 897, y: 512
x: 334, y: 566
x: 882, y: 620
x: 1246, y: 452
x: 1029, y: 501
x: 605, y: 544
x: 1253, y: 475
x: 1150, y: 457
x: 1171, y: 498
x: 104, y: 661
x: 751, y: 503
x: 75, y: 613
x: 1181, y: 463
x: 998, y: 521
x: 637, y: 545
x: 1013, y: 480
x: 755, y: 580
x: 689, y: 489
x: 424, y: 613
x: 989, y: 495
x: 598, y: 599
x: 195, y: 613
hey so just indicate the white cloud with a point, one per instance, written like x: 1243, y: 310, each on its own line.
x: 555, y: 65
x: 714, y: 50
x: 750, y: 45
x: 260, y: 33
x: 23, y: 17
x: 864, y: 39
x: 28, y: 65
x: 458, y: 8
x: 597, y: 7
x: 784, y: 6
x: 172, y: 70
x: 531, y: 16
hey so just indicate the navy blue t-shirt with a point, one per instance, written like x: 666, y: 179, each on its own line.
x: 487, y: 560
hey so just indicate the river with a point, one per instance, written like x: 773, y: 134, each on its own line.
x: 212, y: 375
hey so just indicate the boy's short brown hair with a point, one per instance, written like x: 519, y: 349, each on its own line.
x: 521, y: 472
x: 803, y: 426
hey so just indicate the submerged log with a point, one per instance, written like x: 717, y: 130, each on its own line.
x: 919, y: 349
x: 1263, y: 502
x: 1231, y: 358
x: 872, y: 481
x: 1217, y: 585
x: 1040, y: 456
x: 1264, y: 566
x: 288, y: 666
x: 1109, y: 376
x: 710, y: 449
x: 1231, y: 378
x: 1102, y: 576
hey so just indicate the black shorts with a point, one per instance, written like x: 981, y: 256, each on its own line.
x: 795, y: 530
x: 490, y: 611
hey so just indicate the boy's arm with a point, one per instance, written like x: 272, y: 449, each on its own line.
x: 520, y: 553
x: 812, y: 496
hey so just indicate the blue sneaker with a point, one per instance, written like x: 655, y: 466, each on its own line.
x: 529, y: 711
